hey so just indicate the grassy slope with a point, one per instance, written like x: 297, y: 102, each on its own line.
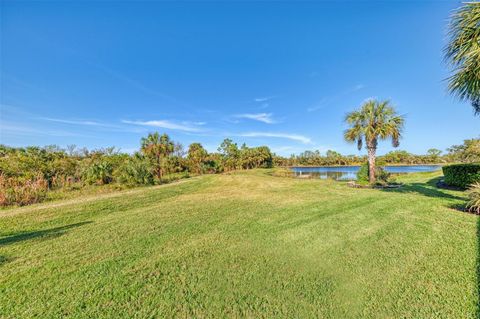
x: 246, y: 244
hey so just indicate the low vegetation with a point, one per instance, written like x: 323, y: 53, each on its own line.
x: 243, y: 244
x: 363, y: 175
x: 34, y: 174
x: 462, y: 175
x: 29, y: 175
x: 22, y: 192
x: 473, y: 204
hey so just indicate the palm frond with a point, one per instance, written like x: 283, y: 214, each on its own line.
x: 463, y: 53
x: 374, y: 120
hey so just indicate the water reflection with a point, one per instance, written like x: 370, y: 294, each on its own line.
x: 350, y: 172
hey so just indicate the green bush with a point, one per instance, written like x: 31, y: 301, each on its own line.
x: 461, y: 175
x: 473, y: 204
x: 136, y: 171
x: 212, y: 166
x: 99, y: 173
x: 381, y: 175
x: 362, y: 174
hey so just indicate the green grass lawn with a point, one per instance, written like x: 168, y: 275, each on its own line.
x: 243, y: 245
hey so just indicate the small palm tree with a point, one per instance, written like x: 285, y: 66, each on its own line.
x: 376, y: 120
x: 463, y: 54
x: 157, y: 147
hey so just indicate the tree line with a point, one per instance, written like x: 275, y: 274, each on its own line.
x: 28, y: 174
x: 468, y: 152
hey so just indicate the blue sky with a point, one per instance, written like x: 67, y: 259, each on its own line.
x: 281, y: 74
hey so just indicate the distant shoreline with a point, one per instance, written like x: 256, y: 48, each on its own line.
x: 358, y: 165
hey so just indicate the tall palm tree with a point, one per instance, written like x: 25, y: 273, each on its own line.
x: 463, y: 54
x: 374, y: 121
x: 157, y: 147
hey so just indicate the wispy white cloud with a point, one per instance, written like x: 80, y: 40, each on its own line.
x: 261, y: 117
x: 74, y: 122
x: 94, y: 125
x: 263, y: 99
x: 19, y: 130
x: 166, y: 125
x: 182, y: 126
x: 198, y: 123
x: 358, y: 87
x: 293, y: 137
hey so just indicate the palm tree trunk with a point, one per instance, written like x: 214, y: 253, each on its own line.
x: 371, y: 163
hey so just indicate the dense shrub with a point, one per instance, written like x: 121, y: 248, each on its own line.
x: 22, y: 191
x: 99, y: 173
x: 381, y: 175
x: 461, y: 175
x: 255, y: 157
x: 212, y: 166
x: 362, y: 174
x: 473, y: 204
x: 136, y: 171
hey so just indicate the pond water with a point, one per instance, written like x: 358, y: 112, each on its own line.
x: 350, y: 172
